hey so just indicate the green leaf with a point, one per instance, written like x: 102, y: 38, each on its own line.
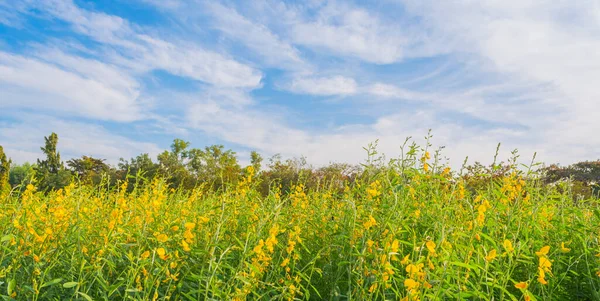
x: 84, y: 295
x: 11, y: 286
x: 70, y: 284
x: 6, y: 238
x: 52, y: 282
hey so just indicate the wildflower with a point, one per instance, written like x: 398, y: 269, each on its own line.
x: 395, y: 246
x: 370, y: 243
x: 521, y: 285
x: 162, y: 238
x: 285, y: 262
x: 543, y: 251
x: 508, y: 246
x: 145, y: 255
x: 491, y: 255
x: 545, y: 264
x: 415, y: 270
x: 563, y: 248
x: 411, y: 284
x: 405, y: 260
x: 162, y: 253
x: 373, y: 287
x: 446, y: 171
x: 542, y: 277
x: 189, y: 226
x: 370, y: 223
x: 185, y: 246
x: 430, y: 247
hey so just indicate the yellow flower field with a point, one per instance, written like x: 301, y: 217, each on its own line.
x: 417, y: 233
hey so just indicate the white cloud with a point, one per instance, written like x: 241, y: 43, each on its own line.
x: 147, y: 53
x: 353, y: 32
x: 257, y: 37
x: 335, y: 85
x: 23, y: 139
x: 549, y: 46
x: 94, y: 93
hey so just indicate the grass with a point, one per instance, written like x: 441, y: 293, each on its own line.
x: 405, y: 232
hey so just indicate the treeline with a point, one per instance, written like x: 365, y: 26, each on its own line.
x: 216, y: 168
x: 212, y: 167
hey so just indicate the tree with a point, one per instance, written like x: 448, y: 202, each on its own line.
x: 21, y: 174
x: 256, y: 161
x: 142, y: 165
x: 88, y: 169
x: 51, y: 173
x: 4, y: 172
x: 172, y: 164
x: 214, y: 165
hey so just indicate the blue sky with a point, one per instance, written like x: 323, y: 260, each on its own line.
x: 319, y: 79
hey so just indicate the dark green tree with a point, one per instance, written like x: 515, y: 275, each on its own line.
x: 214, y: 165
x: 171, y: 164
x: 141, y: 165
x: 21, y: 174
x: 88, y: 169
x: 4, y: 172
x: 50, y: 172
x: 256, y: 161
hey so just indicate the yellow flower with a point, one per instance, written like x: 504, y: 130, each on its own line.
x: 563, y: 248
x: 430, y: 247
x: 410, y: 284
x: 521, y: 285
x: 185, y: 246
x: 370, y: 243
x: 545, y: 264
x: 189, y: 226
x: 405, y: 260
x: 395, y: 246
x: 508, y: 245
x: 543, y: 251
x: 373, y: 287
x: 285, y: 262
x: 145, y: 255
x: 162, y: 238
x: 491, y: 255
x: 162, y: 253
x: 370, y: 223
x: 542, y: 277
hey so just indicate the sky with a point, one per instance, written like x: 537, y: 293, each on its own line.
x: 319, y: 79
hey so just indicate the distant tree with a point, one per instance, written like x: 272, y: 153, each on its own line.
x: 88, y: 169
x: 142, y: 164
x: 21, y: 174
x: 4, y: 172
x: 172, y: 165
x: 256, y: 161
x: 50, y: 172
x: 585, y: 176
x: 214, y: 165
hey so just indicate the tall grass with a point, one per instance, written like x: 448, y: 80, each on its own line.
x: 410, y: 231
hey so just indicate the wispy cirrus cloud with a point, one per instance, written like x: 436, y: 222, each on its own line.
x: 253, y: 75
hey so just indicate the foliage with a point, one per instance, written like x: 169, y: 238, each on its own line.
x: 407, y: 230
x: 50, y: 173
x: 584, y: 177
x: 4, y: 172
x: 21, y: 175
x: 88, y: 169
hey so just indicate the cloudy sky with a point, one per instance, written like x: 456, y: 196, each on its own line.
x: 315, y: 78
